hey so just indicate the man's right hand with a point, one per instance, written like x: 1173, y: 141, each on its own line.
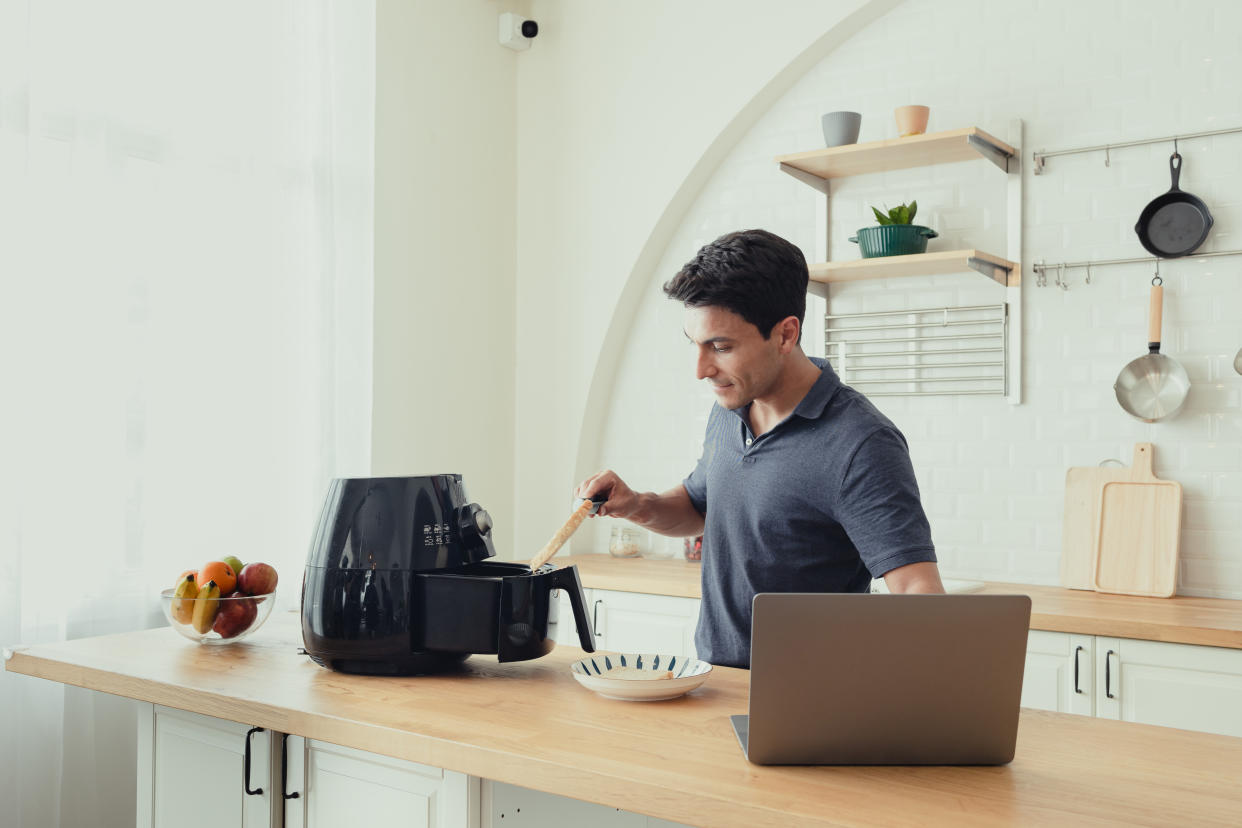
x: 622, y: 500
x: 671, y: 513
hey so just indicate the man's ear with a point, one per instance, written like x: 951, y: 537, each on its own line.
x: 787, y: 331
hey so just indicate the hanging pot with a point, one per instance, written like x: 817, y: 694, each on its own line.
x: 1176, y: 223
x: 1154, y: 386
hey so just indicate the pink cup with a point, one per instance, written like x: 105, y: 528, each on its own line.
x: 911, y: 120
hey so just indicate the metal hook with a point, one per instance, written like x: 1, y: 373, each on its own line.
x: 1107, y: 158
x: 1061, y: 276
x: 1157, y: 280
x: 1175, y: 146
x: 1088, y: 272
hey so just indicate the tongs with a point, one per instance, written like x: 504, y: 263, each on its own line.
x: 586, y: 507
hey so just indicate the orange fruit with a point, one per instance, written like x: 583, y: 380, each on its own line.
x: 221, y: 573
x: 193, y: 572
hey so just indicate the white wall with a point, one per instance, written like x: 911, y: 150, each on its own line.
x: 623, y: 113
x: 992, y: 475
x: 444, y: 248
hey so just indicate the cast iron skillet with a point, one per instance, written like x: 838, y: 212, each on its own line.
x: 1176, y: 223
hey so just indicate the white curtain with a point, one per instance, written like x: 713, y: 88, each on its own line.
x: 185, y: 327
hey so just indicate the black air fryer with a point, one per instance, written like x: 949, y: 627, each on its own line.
x: 398, y: 582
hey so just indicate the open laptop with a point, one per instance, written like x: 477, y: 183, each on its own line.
x: 845, y: 679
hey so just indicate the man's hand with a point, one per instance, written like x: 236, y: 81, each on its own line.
x: 671, y: 513
x: 915, y: 577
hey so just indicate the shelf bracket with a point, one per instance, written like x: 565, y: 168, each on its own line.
x: 989, y: 151
x: 995, y: 272
x: 806, y: 177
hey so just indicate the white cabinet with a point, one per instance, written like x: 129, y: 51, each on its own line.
x: 191, y: 772
x: 1059, y: 673
x: 330, y: 786
x: 508, y: 806
x: 1175, y: 685
x: 632, y: 622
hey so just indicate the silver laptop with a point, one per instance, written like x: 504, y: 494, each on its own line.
x: 845, y: 679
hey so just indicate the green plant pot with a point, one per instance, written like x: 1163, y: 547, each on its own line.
x: 893, y: 240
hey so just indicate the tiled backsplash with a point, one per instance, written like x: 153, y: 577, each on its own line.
x: 992, y: 474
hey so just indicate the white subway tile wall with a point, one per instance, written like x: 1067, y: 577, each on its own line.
x: 1077, y: 74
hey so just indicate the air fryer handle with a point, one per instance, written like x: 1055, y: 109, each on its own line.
x: 567, y: 579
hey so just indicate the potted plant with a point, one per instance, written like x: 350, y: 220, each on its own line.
x: 896, y: 235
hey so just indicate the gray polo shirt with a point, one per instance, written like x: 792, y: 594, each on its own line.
x: 823, y: 502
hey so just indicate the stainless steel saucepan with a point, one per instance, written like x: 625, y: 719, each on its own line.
x: 1153, y: 387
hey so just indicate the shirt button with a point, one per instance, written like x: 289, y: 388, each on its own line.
x: 749, y: 441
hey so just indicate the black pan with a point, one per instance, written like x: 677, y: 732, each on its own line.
x: 1176, y: 223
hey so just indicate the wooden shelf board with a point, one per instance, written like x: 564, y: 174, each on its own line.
x: 921, y: 264
x: 894, y: 154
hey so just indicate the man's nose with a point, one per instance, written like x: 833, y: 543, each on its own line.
x: 704, y: 367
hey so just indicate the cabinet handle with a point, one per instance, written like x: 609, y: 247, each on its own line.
x: 1077, y: 689
x: 1108, y: 678
x: 246, y: 764
x: 595, y: 616
x: 284, y: 768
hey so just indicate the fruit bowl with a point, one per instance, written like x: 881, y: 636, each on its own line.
x: 233, y: 618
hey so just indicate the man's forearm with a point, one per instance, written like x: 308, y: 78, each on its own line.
x: 670, y: 513
x: 914, y: 578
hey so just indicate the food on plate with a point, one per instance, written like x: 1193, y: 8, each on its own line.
x: 206, y: 607
x: 235, y: 615
x: 257, y: 579
x: 183, y: 598
x: 220, y: 572
x: 638, y: 674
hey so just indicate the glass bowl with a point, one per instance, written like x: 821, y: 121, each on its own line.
x: 238, y: 617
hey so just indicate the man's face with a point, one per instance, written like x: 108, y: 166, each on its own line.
x: 732, y: 355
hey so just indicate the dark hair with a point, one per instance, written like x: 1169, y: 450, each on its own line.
x: 753, y: 273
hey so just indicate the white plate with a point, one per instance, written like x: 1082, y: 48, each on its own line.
x: 593, y: 672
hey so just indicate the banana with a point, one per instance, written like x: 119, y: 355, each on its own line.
x: 205, y: 607
x: 183, y: 599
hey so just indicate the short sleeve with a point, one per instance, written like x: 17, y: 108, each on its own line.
x: 696, y: 483
x: 879, y: 506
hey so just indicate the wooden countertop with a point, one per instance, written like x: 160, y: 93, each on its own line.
x: 531, y: 724
x: 1182, y: 620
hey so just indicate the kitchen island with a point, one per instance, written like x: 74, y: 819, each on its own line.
x: 530, y: 724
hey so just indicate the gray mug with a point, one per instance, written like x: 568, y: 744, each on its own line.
x: 841, y: 128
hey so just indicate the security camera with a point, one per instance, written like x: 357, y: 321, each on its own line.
x: 516, y: 32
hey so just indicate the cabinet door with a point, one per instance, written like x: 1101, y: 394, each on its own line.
x: 1175, y: 685
x: 338, y: 786
x: 1059, y: 672
x: 190, y: 772
x: 629, y: 622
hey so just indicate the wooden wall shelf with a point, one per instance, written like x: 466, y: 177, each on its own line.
x: 817, y: 167
x: 941, y: 262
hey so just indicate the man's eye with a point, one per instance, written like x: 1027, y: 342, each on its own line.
x: 721, y: 349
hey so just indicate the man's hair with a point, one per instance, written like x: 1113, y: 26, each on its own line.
x: 753, y: 273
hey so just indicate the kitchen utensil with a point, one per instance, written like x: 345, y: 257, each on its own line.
x: 640, y: 676
x: 1237, y: 362
x: 398, y: 582
x: 840, y: 128
x: 911, y: 120
x: 1176, y: 223
x: 1080, y: 523
x: 586, y: 507
x: 1140, y: 529
x: 1152, y: 387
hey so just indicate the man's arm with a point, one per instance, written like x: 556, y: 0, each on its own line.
x: 915, y: 577
x: 669, y: 513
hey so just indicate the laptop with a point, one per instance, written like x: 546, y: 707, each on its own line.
x: 848, y: 679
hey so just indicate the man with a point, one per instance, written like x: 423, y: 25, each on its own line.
x: 803, y: 486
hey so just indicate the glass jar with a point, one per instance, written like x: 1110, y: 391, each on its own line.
x: 625, y: 542
x: 694, y: 548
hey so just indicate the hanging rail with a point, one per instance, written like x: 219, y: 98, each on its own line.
x: 1041, y: 155
x: 1040, y: 269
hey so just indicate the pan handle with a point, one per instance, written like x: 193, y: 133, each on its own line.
x: 1175, y: 169
x: 1155, y: 317
x: 568, y: 580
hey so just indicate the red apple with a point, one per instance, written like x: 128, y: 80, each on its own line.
x: 236, y: 615
x: 257, y: 579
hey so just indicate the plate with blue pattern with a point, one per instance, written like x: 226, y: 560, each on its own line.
x: 640, y: 676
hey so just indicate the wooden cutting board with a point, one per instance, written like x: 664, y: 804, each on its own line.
x: 1080, y: 523
x: 1138, y: 542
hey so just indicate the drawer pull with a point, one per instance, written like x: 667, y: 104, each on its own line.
x: 246, y: 764
x: 1077, y: 689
